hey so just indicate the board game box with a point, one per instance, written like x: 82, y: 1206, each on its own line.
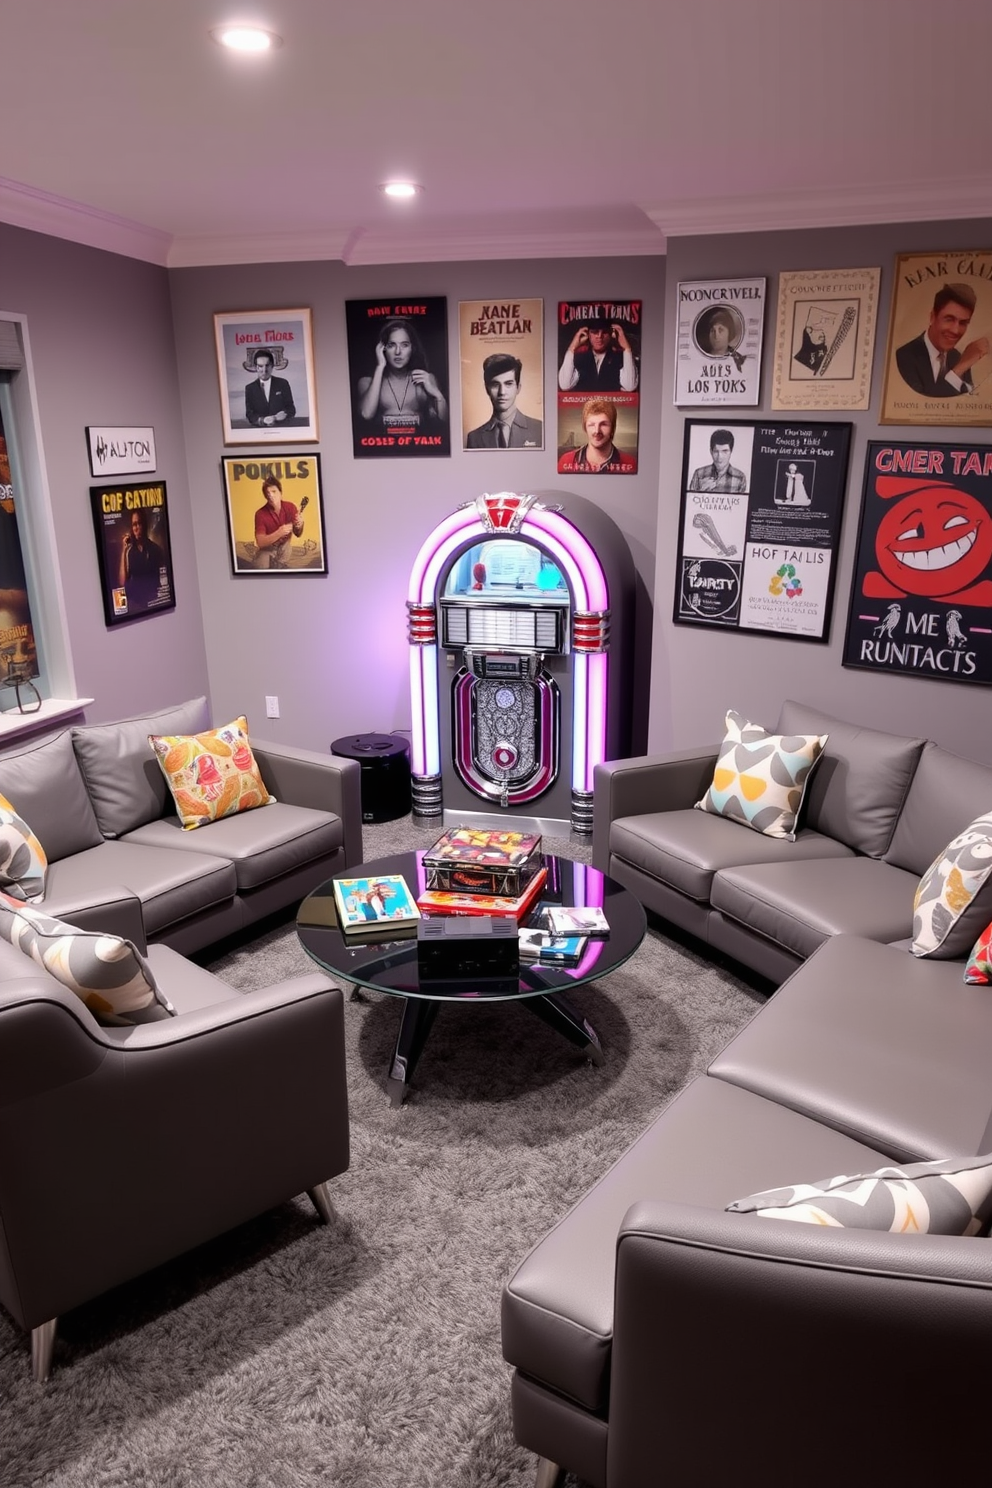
x: 440, y: 901
x: 471, y: 860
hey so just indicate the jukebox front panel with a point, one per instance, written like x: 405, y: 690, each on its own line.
x: 505, y: 735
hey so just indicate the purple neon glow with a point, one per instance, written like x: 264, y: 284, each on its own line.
x: 421, y: 593
x: 558, y: 528
x: 580, y: 712
x: 596, y: 696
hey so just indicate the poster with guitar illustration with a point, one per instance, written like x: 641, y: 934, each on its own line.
x: 275, y: 514
x: 824, y: 338
x: 398, y: 371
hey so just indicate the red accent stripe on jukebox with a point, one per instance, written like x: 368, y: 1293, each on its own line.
x: 590, y: 632
x: 421, y: 624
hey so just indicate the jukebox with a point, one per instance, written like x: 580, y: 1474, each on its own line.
x: 519, y: 612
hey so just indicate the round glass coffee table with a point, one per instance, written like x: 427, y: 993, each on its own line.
x: 391, y: 966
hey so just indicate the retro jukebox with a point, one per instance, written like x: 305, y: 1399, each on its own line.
x: 519, y: 613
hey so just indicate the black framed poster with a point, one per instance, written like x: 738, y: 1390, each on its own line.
x: 921, y: 599
x: 131, y: 523
x: 759, y: 527
x: 398, y: 365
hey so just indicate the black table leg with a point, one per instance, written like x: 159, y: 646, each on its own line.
x: 418, y: 1020
x: 555, y: 1009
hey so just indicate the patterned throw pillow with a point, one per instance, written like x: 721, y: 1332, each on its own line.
x: 979, y: 968
x: 23, y: 864
x: 760, y: 778
x: 948, y: 1197
x: 954, y: 899
x: 108, y: 974
x: 212, y: 774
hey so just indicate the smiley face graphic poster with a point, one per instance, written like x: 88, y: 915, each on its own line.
x: 921, y: 600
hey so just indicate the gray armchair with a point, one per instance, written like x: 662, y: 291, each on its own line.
x: 120, y: 1148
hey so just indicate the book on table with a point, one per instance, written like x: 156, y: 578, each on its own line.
x: 440, y: 901
x: 548, y: 949
x: 476, y: 860
x: 574, y: 919
x: 379, y: 904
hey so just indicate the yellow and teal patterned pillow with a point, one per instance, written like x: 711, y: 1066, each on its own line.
x: 108, y: 974
x: 23, y: 864
x: 954, y: 898
x: 211, y: 775
x: 760, y: 778
x: 952, y: 1196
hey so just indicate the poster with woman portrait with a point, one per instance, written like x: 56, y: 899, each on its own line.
x: 718, y: 344
x: 398, y: 371
x: 938, y: 361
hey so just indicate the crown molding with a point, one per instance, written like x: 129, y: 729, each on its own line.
x: 212, y: 250
x: 852, y: 206
x: 454, y: 242
x: 41, y: 211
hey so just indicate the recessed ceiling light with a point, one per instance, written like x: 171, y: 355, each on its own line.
x: 246, y: 38
x: 401, y: 189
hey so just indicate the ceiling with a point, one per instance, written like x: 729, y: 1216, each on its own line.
x: 537, y: 127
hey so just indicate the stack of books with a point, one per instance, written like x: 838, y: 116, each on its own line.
x: 475, y: 871
x: 376, y: 908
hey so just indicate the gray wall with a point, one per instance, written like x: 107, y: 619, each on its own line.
x: 697, y: 674
x: 333, y: 649
x: 100, y: 333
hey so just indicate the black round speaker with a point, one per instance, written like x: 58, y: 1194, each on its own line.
x: 385, y: 762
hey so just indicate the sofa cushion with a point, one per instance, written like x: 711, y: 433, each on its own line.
x: 23, y: 863
x: 43, y: 783
x: 943, y: 798
x: 799, y: 904
x: 859, y: 786
x: 760, y: 778
x: 171, y: 885
x: 262, y: 845
x: 558, y: 1306
x: 108, y: 974
x: 979, y: 968
x: 954, y: 897
x: 212, y: 774
x: 885, y: 1047
x: 949, y: 1197
x: 685, y: 848
x: 121, y: 773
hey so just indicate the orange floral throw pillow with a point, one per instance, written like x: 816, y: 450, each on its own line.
x: 211, y: 775
x: 979, y: 968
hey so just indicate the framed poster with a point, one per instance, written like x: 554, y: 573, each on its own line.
x: 718, y: 341
x: 921, y: 598
x: 18, y: 647
x: 398, y: 364
x: 825, y: 338
x: 599, y: 374
x: 275, y: 514
x: 122, y: 451
x: 501, y: 349
x: 938, y: 366
x: 133, y: 549
x: 759, y: 526
x: 266, y: 376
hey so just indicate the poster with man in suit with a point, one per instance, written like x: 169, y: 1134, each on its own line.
x: 501, y: 346
x: 938, y: 365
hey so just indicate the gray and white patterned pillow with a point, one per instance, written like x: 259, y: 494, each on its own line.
x: 952, y: 1196
x: 108, y: 974
x: 23, y: 864
x: 953, y: 903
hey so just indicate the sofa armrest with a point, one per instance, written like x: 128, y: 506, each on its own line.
x: 112, y: 910
x: 303, y: 777
x: 807, y: 1340
x: 654, y: 782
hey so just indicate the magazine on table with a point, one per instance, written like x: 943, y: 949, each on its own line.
x: 375, y: 905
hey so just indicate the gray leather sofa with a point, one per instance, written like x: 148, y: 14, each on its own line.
x: 656, y: 1338
x: 98, y: 802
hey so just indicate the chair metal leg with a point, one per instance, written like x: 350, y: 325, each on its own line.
x: 549, y: 1474
x: 42, y: 1344
x: 320, y: 1198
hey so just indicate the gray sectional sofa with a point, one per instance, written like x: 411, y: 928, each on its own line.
x: 98, y: 802
x: 121, y: 1147
x: 657, y: 1338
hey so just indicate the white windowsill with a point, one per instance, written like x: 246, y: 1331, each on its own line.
x: 14, y: 723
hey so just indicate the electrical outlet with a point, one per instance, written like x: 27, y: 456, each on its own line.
x: 272, y: 707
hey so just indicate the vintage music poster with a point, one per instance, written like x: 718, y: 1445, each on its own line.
x: 599, y: 374
x: 921, y: 598
x: 718, y: 342
x: 825, y: 338
x: 398, y: 366
x: 266, y: 375
x: 131, y: 523
x: 501, y: 350
x: 760, y: 525
x: 938, y: 366
x: 18, y: 650
x: 275, y: 514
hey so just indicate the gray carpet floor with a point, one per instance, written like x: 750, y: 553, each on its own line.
x: 366, y: 1354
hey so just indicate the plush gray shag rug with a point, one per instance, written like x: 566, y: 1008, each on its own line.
x: 288, y: 1354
